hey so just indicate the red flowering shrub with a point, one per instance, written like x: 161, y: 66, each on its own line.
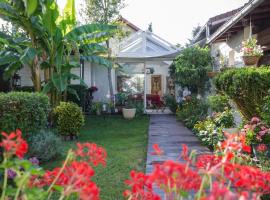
x: 13, y: 144
x: 73, y: 178
x: 210, y: 176
x: 203, y: 177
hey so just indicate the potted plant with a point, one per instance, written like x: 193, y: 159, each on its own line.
x: 96, y: 107
x: 129, y: 111
x: 251, y: 52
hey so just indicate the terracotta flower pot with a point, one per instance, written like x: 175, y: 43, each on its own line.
x: 129, y: 113
x: 211, y: 74
x: 251, y: 60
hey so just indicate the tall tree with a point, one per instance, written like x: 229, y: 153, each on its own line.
x: 105, y: 12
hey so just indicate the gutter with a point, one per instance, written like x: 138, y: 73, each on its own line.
x: 251, y: 5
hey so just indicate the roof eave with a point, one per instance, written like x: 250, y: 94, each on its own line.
x: 238, y: 16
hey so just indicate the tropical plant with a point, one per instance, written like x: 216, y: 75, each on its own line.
x: 52, y: 39
x: 105, y: 12
x: 250, y: 47
x: 190, y: 72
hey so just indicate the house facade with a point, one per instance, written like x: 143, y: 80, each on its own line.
x: 142, y: 59
x: 226, y: 32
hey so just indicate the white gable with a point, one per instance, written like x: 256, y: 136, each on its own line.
x: 145, y: 44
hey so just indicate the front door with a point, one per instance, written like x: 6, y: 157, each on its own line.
x: 156, y: 86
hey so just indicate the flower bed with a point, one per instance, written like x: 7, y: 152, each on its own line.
x: 225, y: 174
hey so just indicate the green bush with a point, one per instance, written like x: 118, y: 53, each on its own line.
x: 265, y: 110
x: 23, y: 110
x: 81, y: 91
x: 190, y: 68
x: 25, y: 89
x: 247, y: 87
x: 45, y: 146
x: 208, y: 132
x: 192, y: 111
x: 218, y: 103
x: 224, y: 119
x: 69, y: 118
x: 171, y: 103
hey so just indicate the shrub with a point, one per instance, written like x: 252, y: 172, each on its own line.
x: 26, y: 111
x: 208, y: 132
x: 45, y: 146
x: 190, y: 68
x: 171, y: 103
x: 224, y: 119
x: 218, y: 103
x: 192, y: 111
x: 247, y: 87
x: 81, y: 91
x: 265, y: 110
x: 69, y: 118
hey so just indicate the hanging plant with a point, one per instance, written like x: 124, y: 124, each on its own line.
x: 251, y: 52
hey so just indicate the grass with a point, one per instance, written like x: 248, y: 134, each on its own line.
x: 125, y: 142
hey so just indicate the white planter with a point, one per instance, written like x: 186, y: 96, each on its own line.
x: 129, y: 113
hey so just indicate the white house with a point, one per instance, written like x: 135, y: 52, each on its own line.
x: 144, y: 60
x: 226, y: 32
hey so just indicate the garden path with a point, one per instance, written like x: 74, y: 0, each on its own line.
x: 169, y: 134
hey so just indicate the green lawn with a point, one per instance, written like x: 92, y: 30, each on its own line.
x: 125, y: 142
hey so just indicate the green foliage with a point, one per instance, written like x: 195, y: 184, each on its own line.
x: 208, y: 132
x: 45, y: 146
x: 25, y: 89
x: 26, y: 111
x: 171, y: 103
x: 265, y: 110
x: 192, y: 111
x: 69, y: 118
x: 79, y: 96
x: 218, y: 103
x: 224, y: 119
x: 105, y: 11
x: 96, y: 107
x: 247, y: 87
x: 139, y: 108
x: 190, y: 68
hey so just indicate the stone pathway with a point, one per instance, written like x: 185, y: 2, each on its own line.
x: 169, y: 134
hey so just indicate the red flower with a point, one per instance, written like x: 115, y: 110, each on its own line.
x: 184, y: 153
x: 141, y: 187
x: 261, y: 148
x: 92, y: 153
x: 157, y: 150
x: 175, y: 176
x: 75, y: 178
x: 14, y: 144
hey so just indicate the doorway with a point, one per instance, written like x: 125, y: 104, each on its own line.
x: 156, y: 84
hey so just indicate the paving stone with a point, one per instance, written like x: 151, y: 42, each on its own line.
x: 169, y: 134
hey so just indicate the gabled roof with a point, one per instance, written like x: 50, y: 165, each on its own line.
x: 221, y: 27
x: 129, y: 24
x: 146, y: 45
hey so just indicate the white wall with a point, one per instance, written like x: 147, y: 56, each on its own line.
x: 231, y: 50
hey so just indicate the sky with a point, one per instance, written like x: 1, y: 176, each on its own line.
x: 173, y: 20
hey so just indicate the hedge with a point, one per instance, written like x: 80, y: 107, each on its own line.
x: 247, y: 87
x: 23, y: 110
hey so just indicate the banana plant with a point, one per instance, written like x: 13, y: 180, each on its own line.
x: 55, y: 43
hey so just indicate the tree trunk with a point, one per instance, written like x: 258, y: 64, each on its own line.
x: 36, y: 75
x: 110, y: 74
